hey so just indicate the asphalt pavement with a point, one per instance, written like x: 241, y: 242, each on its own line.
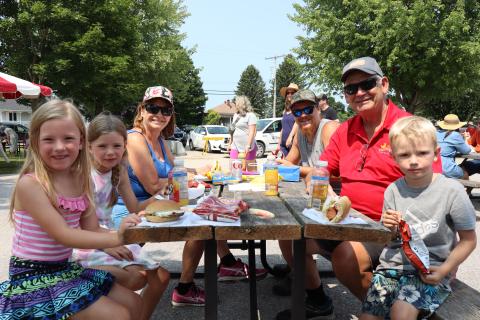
x: 233, y: 297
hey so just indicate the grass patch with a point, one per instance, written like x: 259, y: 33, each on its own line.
x: 12, y: 167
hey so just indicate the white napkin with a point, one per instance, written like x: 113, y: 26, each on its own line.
x: 319, y: 217
x: 194, y: 193
x: 246, y: 186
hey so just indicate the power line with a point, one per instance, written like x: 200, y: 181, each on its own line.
x: 218, y: 90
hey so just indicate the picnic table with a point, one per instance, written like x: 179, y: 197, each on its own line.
x: 288, y: 224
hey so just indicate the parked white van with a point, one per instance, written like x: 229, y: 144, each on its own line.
x: 268, y: 134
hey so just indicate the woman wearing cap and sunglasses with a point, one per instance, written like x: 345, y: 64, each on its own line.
x: 150, y: 161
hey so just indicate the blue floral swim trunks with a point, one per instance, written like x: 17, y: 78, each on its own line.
x: 390, y: 285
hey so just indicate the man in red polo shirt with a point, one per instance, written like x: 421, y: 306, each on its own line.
x: 359, y: 153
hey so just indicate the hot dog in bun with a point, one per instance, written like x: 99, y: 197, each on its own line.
x: 337, y: 209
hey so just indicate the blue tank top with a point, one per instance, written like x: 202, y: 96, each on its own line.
x: 162, y: 168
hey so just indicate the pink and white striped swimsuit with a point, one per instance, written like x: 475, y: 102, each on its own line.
x: 31, y: 242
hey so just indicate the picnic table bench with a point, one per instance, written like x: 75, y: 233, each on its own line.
x: 463, y: 303
x: 469, y: 184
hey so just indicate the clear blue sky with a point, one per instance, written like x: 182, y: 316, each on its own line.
x: 229, y: 35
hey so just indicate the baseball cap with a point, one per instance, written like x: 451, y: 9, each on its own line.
x: 303, y: 95
x: 365, y: 64
x: 158, y: 92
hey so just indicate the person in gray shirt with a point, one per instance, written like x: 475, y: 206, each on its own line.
x: 436, y: 208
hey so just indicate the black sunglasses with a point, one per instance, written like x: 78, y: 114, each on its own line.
x: 307, y: 110
x: 154, y: 109
x: 365, y: 85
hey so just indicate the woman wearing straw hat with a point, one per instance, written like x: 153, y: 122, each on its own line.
x: 289, y: 128
x: 451, y: 143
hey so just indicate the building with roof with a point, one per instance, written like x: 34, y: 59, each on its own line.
x: 11, y: 111
x: 226, y: 112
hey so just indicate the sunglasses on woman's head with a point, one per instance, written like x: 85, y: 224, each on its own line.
x: 365, y: 85
x: 307, y: 110
x: 154, y: 109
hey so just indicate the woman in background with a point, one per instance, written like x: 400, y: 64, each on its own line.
x: 289, y: 127
x: 451, y: 143
x: 243, y: 138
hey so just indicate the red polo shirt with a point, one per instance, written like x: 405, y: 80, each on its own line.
x: 365, y: 168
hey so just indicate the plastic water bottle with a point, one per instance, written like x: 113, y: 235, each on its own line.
x: 270, y: 169
x: 179, y: 182
x: 319, y: 185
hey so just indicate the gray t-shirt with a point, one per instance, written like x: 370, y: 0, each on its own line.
x: 435, y: 212
x: 310, y: 152
x: 240, y: 135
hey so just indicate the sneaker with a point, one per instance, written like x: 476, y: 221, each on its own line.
x: 313, y: 310
x: 283, y: 287
x: 195, y: 296
x: 239, y: 271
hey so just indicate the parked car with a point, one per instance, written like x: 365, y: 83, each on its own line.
x: 187, y: 128
x: 20, y: 129
x: 268, y: 133
x: 179, y: 135
x: 219, y: 133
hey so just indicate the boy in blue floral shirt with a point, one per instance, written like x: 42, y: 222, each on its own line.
x: 435, y: 208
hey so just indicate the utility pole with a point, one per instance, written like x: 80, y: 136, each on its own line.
x: 274, y: 58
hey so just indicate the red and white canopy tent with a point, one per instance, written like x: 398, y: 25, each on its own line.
x: 13, y: 88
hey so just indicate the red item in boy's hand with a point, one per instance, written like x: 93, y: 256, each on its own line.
x: 414, y: 248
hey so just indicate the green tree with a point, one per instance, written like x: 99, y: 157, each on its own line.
x: 102, y: 54
x: 252, y: 85
x: 212, y: 117
x: 189, y: 97
x: 429, y: 49
x: 466, y: 107
x: 290, y: 70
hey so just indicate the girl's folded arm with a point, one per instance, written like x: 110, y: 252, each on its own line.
x: 31, y: 197
x: 129, y: 198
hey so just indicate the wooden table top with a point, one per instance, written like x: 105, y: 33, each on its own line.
x: 282, y: 227
x: 295, y: 197
x: 162, y: 233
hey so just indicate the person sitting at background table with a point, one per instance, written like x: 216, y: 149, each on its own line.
x: 289, y: 128
x: 3, y: 140
x: 359, y: 153
x: 451, y: 143
x: 473, y: 166
x: 243, y: 138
